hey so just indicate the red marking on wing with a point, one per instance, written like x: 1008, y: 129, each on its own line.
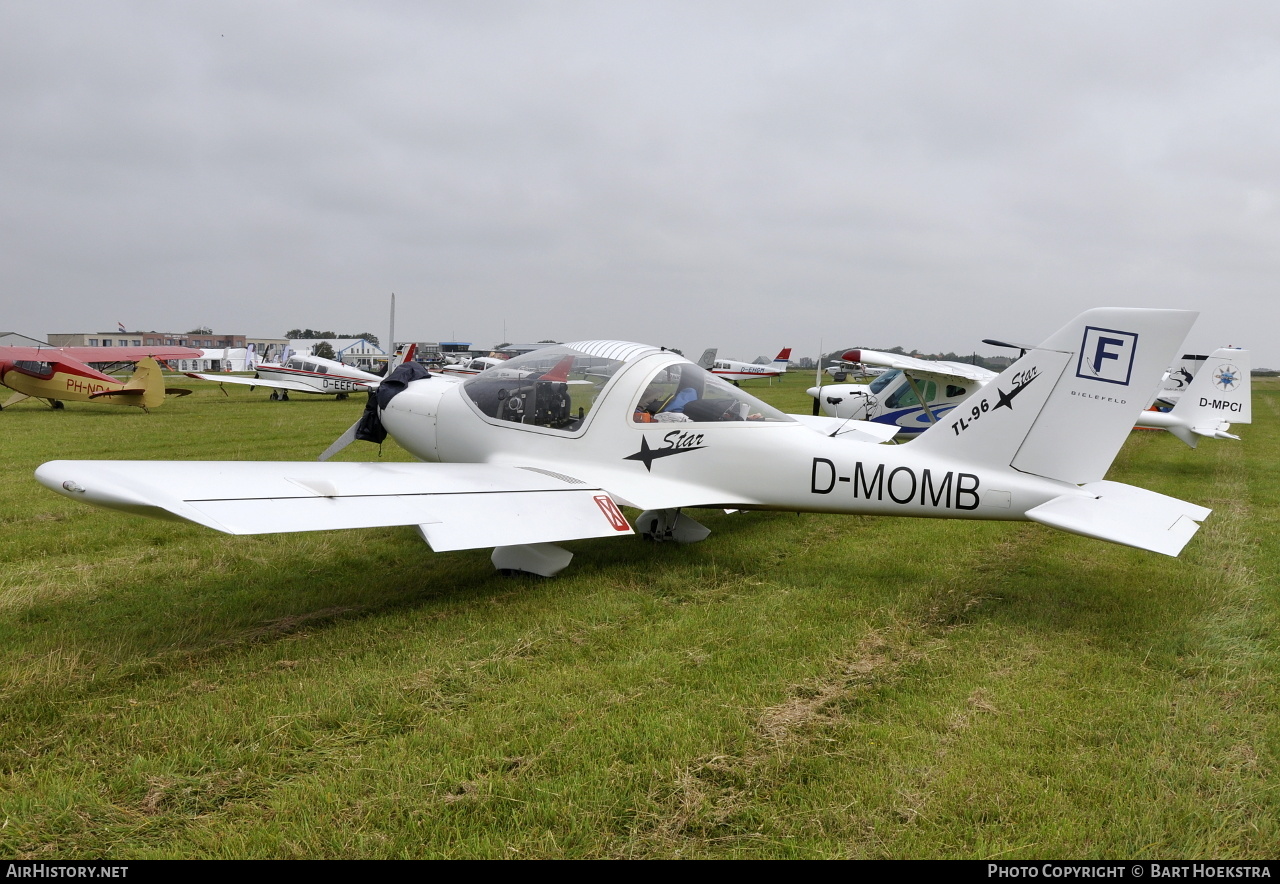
x: 612, y: 513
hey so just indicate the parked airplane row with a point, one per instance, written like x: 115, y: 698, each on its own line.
x: 914, y: 394
x: 549, y: 448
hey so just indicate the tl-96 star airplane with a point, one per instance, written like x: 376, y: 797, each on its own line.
x: 549, y: 449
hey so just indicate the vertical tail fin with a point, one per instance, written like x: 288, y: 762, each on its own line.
x: 148, y: 378
x: 780, y: 361
x: 1218, y: 396
x: 401, y: 356
x: 1180, y: 374
x: 708, y: 358
x: 1063, y: 410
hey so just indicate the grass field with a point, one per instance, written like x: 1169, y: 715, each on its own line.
x: 795, y: 686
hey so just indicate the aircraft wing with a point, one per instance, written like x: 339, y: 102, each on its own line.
x: 455, y: 506
x: 292, y: 386
x: 945, y: 371
x: 31, y: 354
x: 129, y: 354
x: 52, y: 356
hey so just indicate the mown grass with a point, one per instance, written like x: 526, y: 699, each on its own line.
x: 795, y: 686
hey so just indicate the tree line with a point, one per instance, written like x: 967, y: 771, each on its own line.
x: 310, y: 333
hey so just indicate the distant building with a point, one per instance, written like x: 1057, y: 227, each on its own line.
x: 267, y: 349
x: 435, y: 351
x: 146, y: 339
x: 521, y: 349
x: 13, y: 339
x: 352, y: 351
x: 229, y: 359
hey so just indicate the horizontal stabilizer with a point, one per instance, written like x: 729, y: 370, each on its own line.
x: 1124, y: 514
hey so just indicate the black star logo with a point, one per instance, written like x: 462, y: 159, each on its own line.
x: 648, y: 455
x: 1006, y: 399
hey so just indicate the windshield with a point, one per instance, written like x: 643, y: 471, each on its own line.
x: 554, y: 388
x: 885, y: 380
x: 906, y: 396
x: 684, y: 393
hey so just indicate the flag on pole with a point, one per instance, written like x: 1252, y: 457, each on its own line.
x: 123, y: 330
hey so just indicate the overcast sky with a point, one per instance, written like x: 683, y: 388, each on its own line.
x: 741, y: 175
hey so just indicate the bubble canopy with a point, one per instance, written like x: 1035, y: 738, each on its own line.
x: 557, y: 388
x: 684, y: 393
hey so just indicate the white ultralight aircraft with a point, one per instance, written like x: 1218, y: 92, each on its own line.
x: 311, y: 374
x: 917, y: 393
x: 520, y: 463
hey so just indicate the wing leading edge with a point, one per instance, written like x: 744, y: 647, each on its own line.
x: 455, y: 506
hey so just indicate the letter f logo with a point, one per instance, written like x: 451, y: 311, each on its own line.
x: 1102, y: 353
x: 1107, y: 355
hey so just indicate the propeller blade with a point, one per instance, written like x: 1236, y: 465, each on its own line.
x: 817, y: 382
x: 341, y: 442
x: 1022, y: 347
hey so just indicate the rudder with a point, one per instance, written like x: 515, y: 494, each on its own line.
x: 1063, y: 409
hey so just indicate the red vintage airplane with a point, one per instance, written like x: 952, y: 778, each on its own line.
x: 63, y: 374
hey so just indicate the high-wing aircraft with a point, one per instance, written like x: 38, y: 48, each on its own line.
x: 310, y: 374
x: 841, y: 370
x: 550, y: 451
x: 734, y: 371
x: 917, y: 393
x: 63, y: 374
x: 912, y: 394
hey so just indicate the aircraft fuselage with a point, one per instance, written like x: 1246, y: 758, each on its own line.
x: 57, y: 382
x: 654, y: 466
